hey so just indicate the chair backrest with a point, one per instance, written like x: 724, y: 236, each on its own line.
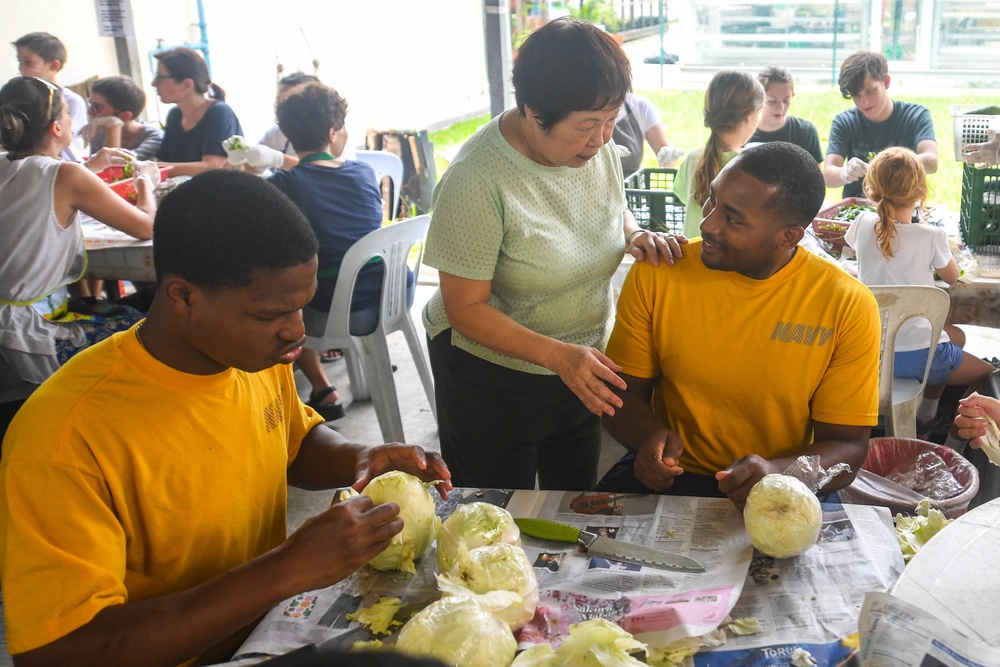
x: 385, y: 164
x: 897, y: 304
x: 392, y: 243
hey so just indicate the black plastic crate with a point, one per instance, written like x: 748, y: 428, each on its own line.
x: 650, y: 197
x: 980, y: 215
x: 652, y: 179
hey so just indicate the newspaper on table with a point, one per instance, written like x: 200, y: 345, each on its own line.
x: 811, y: 601
x: 895, y: 633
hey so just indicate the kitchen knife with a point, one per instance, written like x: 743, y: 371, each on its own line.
x: 608, y: 548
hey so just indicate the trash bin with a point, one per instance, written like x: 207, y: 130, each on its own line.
x: 886, y: 455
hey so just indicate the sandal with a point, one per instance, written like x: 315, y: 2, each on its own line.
x: 331, y: 355
x: 329, y: 411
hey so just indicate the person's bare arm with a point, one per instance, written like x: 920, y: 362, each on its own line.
x: 657, y: 448
x: 77, y: 188
x: 326, y: 459
x: 170, y: 629
x: 657, y: 137
x: 927, y: 151
x: 950, y: 273
x: 833, y: 167
x: 207, y: 162
x: 833, y: 443
x: 584, y: 369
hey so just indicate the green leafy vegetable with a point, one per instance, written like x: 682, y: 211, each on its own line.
x: 851, y: 211
x: 913, y: 532
x: 380, y: 617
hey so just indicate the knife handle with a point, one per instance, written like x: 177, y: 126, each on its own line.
x: 549, y: 530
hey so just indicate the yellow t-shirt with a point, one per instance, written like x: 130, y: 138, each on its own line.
x: 743, y: 364
x: 124, y: 479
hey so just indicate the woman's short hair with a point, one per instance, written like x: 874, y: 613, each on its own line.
x: 216, y: 229
x: 857, y: 67
x: 307, y: 113
x: 184, y: 63
x: 566, y: 66
x: 28, y: 106
x: 775, y: 74
x: 122, y: 93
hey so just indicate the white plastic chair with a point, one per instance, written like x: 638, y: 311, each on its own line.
x: 385, y: 164
x: 368, y: 366
x: 898, y: 398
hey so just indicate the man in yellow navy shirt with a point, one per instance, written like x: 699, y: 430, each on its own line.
x: 143, y: 486
x: 749, y: 352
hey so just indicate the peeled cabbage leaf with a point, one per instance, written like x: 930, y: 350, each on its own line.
x: 474, y: 525
x: 379, y: 618
x: 500, y: 577
x: 913, y: 532
x: 748, y: 625
x: 416, y: 509
x: 460, y: 632
x: 595, y: 642
x: 782, y: 516
x: 676, y: 652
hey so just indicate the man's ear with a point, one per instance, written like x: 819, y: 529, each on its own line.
x: 178, y: 293
x: 887, y: 82
x: 790, y: 237
x: 54, y: 65
x: 126, y: 116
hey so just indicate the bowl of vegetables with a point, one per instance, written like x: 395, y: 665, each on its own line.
x: 119, y: 179
x: 832, y: 222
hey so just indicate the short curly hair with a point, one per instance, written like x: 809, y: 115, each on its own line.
x: 307, y: 113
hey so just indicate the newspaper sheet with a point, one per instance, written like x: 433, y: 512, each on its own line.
x: 895, y: 633
x: 811, y: 601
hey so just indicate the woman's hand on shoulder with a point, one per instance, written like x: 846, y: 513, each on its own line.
x: 644, y: 244
x: 586, y: 372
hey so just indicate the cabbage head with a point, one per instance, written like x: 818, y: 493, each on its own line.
x: 474, y: 525
x: 460, y: 632
x: 782, y: 516
x: 499, y: 577
x: 416, y: 509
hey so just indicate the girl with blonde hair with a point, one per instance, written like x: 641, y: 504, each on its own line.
x: 733, y: 103
x: 892, y: 250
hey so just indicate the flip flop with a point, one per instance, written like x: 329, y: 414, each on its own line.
x: 330, y: 411
x: 331, y: 355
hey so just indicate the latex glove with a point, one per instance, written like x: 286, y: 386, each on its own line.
x: 260, y: 156
x: 146, y: 170
x: 854, y: 169
x: 109, y: 157
x: 623, y: 151
x: 985, y: 154
x: 99, y: 125
x: 236, y: 150
x: 667, y: 155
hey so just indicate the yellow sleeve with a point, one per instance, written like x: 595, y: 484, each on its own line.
x: 632, y: 345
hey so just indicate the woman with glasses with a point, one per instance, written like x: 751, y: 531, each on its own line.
x: 42, y: 252
x: 198, y: 124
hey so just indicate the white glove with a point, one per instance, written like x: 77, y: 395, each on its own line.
x: 109, y: 157
x: 854, y: 169
x: 143, y: 170
x: 985, y: 154
x: 623, y: 151
x: 667, y: 155
x: 260, y: 156
x: 99, y: 125
x: 236, y: 150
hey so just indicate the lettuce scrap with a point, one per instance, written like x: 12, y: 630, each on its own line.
x: 913, y: 532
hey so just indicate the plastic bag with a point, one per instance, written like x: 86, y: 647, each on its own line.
x: 809, y: 471
x: 927, y: 475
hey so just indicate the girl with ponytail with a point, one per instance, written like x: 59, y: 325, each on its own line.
x: 733, y: 103
x: 892, y: 250
x: 201, y: 119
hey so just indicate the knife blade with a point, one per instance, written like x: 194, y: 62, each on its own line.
x: 608, y: 548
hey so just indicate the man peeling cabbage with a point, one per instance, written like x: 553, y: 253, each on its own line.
x: 143, y: 486
x: 749, y: 352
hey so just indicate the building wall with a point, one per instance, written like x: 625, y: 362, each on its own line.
x: 399, y: 63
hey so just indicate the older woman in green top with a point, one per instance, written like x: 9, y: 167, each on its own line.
x: 529, y: 225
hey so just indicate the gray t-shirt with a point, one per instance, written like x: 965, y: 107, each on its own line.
x: 548, y: 238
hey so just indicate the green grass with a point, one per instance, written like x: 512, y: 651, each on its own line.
x: 681, y: 111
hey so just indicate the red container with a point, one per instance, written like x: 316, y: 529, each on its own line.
x: 886, y: 454
x: 831, y: 232
x: 124, y: 187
